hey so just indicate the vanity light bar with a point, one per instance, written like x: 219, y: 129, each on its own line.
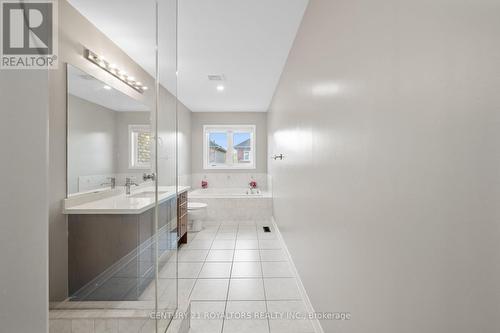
x: 116, y: 72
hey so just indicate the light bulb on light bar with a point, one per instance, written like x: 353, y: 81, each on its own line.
x: 115, y: 71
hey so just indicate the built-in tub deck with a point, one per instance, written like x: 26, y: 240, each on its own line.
x: 236, y: 204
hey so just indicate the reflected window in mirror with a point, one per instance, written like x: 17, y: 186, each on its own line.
x: 140, y: 146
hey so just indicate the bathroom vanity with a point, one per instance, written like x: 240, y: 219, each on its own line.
x: 117, y: 238
x: 112, y: 241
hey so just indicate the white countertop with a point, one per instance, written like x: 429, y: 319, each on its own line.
x: 117, y: 202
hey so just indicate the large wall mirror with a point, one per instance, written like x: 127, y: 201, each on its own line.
x: 109, y: 135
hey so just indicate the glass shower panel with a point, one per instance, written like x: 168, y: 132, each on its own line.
x: 168, y: 228
x: 122, y: 146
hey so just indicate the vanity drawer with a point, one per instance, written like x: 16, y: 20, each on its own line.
x: 182, y: 210
x: 183, y: 222
x: 183, y: 198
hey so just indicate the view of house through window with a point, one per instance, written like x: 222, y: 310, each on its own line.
x: 217, y: 148
x: 228, y: 147
x: 140, y: 146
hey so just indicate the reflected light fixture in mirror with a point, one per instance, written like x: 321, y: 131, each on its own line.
x: 115, y: 71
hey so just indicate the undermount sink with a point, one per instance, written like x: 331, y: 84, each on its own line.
x: 147, y: 194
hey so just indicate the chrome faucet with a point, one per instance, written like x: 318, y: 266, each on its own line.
x: 128, y: 184
x: 150, y: 176
x: 112, y: 182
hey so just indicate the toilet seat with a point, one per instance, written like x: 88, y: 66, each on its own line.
x: 196, y: 205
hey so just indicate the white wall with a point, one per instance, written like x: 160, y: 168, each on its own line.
x: 23, y: 201
x: 388, y: 113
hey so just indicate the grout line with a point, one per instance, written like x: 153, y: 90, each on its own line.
x: 264, y: 286
x: 205, y: 261
x: 229, y: 284
x: 260, y: 261
x: 239, y: 277
x: 196, y: 281
x: 303, y: 293
x: 250, y: 300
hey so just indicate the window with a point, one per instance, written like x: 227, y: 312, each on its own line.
x: 246, y: 156
x: 139, y: 146
x: 229, y: 147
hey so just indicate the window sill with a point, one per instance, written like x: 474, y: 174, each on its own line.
x: 139, y: 168
x: 228, y: 168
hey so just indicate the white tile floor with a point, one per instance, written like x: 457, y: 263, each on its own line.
x: 235, y: 269
x: 236, y: 279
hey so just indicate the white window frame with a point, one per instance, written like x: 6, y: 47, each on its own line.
x: 246, y: 156
x: 230, y: 129
x: 132, y: 147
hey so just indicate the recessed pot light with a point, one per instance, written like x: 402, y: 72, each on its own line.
x: 220, y: 88
x: 107, y: 87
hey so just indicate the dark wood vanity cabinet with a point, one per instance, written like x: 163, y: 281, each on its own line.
x: 182, y: 217
x: 112, y: 256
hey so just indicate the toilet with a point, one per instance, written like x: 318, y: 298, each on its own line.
x: 197, y: 211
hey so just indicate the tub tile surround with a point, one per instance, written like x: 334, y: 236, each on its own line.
x: 230, y: 179
x: 236, y: 209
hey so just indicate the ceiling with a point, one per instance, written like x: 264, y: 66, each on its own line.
x: 246, y: 41
x: 87, y: 87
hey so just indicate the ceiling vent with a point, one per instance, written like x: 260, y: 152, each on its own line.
x: 216, y: 77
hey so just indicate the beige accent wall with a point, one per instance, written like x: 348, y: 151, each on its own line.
x: 23, y: 201
x: 228, y: 118
x: 75, y: 34
x: 89, y: 154
x: 388, y: 114
x: 184, y: 135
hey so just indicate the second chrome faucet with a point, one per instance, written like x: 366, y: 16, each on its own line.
x: 129, y: 183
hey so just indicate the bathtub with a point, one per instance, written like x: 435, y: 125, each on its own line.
x: 226, y: 193
x: 233, y: 204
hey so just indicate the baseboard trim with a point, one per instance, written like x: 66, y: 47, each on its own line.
x: 315, y: 322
